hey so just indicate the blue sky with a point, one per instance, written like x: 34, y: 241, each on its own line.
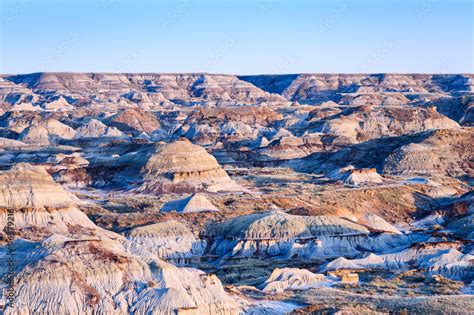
x: 242, y: 37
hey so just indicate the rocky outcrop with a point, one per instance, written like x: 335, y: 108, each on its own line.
x: 280, y: 225
x: 28, y: 186
x: 46, y: 132
x: 184, y: 167
x: 7, y: 144
x: 376, y: 223
x: 59, y: 105
x: 38, y: 206
x: 35, y: 135
x: 292, y: 279
x: 25, y: 107
x: 170, y: 240
x: 443, y: 152
x: 250, y: 115
x: 17, y: 121
x: 69, y: 265
x: 241, y: 125
x: 189, y: 88
x: 437, y: 258
x: 397, y: 203
x: 290, y: 147
x: 368, y: 123
x: 90, y: 275
x: 194, y: 203
x: 57, y: 129
x: 317, y: 88
x: 278, y: 234
x: 137, y: 121
x: 363, y: 177
x: 95, y: 129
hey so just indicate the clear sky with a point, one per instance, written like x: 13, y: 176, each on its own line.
x: 242, y: 37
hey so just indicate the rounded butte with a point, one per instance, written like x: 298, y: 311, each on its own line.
x: 181, y: 166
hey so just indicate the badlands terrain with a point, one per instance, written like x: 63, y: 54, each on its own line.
x: 222, y: 194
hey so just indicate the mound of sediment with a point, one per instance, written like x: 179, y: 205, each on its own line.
x: 27, y: 186
x: 278, y: 234
x: 377, y: 223
x: 91, y: 274
x: 184, y: 167
x: 280, y: 225
x: 363, y: 177
x: 38, y: 206
x: 74, y: 161
x: 292, y: 279
x: 194, y: 203
x: 440, y: 258
x: 35, y: 135
x: 365, y: 123
x: 444, y: 152
x: 95, y: 128
x: 169, y: 240
x: 58, y: 129
x: 137, y: 121
x: 59, y: 105
x: 8, y: 144
x: 26, y: 107
x: 290, y: 147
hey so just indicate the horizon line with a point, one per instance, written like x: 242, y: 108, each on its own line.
x: 238, y: 75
